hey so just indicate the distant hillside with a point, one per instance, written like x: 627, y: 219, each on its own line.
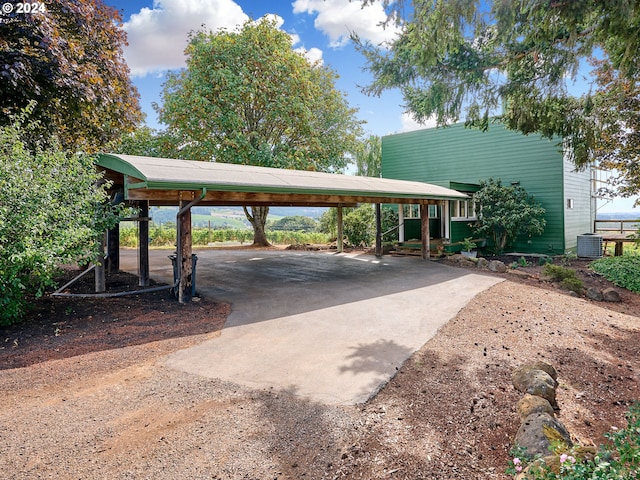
x: 618, y: 216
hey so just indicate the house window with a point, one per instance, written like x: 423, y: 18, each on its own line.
x: 463, y: 210
x: 413, y: 211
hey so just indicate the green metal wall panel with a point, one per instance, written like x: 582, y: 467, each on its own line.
x: 455, y: 154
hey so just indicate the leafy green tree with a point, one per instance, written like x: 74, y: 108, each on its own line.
x: 506, y: 212
x: 389, y: 223
x: 246, y: 97
x: 328, y: 222
x: 297, y: 223
x: 471, y: 59
x: 359, y: 226
x: 618, y: 149
x: 68, y: 60
x: 368, y: 157
x: 146, y: 142
x: 51, y: 211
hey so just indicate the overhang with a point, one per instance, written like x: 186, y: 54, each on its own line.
x: 163, y: 181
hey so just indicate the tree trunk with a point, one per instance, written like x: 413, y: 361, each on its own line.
x: 258, y: 219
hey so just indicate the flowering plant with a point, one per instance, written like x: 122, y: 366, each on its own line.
x: 620, y: 459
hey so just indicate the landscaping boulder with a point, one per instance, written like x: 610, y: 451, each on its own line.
x: 534, y: 381
x: 539, y: 431
x: 483, y: 263
x: 611, y: 295
x: 530, y: 404
x: 545, y: 367
x: 594, y: 293
x: 497, y: 266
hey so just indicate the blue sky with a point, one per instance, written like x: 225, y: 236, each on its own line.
x: 157, y: 32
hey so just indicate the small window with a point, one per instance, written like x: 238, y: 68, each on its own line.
x: 413, y: 211
x: 463, y: 210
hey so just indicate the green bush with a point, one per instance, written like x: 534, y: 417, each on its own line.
x: 50, y: 214
x: 567, y: 277
x: 573, y: 284
x: 618, y: 460
x: 359, y: 226
x: 623, y: 271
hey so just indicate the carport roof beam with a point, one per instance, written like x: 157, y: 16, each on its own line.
x: 160, y: 180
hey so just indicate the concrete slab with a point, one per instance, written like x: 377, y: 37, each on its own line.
x: 333, y: 328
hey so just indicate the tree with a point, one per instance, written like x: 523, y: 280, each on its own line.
x: 68, y: 59
x: 618, y: 149
x: 472, y: 58
x: 146, y: 142
x: 51, y: 211
x: 360, y: 225
x: 506, y: 212
x: 368, y: 157
x: 246, y: 97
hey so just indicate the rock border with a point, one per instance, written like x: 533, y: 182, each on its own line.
x: 540, y: 432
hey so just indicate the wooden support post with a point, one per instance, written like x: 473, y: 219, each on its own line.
x: 424, y: 223
x: 184, y: 254
x: 143, y: 244
x: 100, y: 280
x: 378, y: 230
x: 340, y: 239
x: 113, y: 250
x: 400, y: 223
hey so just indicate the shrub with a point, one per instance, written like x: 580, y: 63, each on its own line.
x: 50, y: 213
x: 506, y: 212
x: 359, y: 226
x: 567, y: 277
x: 573, y: 284
x: 623, y: 271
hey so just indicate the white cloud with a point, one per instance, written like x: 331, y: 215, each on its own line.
x: 158, y: 36
x: 409, y: 123
x: 339, y: 18
x: 313, y: 54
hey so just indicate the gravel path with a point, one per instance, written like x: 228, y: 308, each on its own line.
x: 448, y: 413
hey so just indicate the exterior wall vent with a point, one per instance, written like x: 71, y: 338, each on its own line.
x: 589, y: 245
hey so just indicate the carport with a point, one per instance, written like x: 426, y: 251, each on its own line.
x: 149, y: 181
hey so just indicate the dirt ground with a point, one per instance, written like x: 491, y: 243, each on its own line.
x: 83, y: 395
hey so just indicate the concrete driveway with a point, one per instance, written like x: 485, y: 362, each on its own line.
x: 330, y: 327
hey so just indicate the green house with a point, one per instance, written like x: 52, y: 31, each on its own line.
x: 459, y: 158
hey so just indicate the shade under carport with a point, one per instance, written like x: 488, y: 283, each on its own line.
x: 164, y: 181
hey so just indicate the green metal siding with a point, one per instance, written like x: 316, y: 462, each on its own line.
x: 455, y: 154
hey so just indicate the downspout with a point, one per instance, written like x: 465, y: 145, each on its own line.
x: 180, y: 213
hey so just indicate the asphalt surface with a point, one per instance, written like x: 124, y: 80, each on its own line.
x: 333, y: 328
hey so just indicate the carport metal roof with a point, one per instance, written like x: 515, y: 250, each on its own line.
x: 160, y: 181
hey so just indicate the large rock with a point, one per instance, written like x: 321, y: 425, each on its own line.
x: 594, y: 294
x: 534, y: 381
x: 530, y: 404
x: 483, y: 263
x: 545, y: 367
x: 611, y: 295
x: 497, y: 266
x: 539, y: 431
